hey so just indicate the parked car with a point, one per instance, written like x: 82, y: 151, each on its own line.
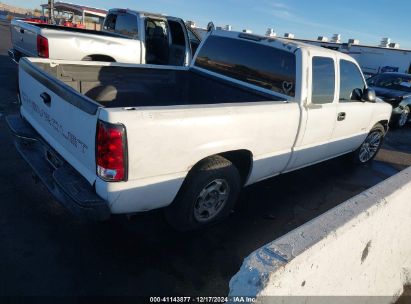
x: 395, y: 89
x: 127, y: 36
x: 113, y: 139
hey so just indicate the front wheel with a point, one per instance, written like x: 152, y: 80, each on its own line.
x: 371, y: 145
x: 207, y: 196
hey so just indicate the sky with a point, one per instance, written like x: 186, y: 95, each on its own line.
x: 366, y: 20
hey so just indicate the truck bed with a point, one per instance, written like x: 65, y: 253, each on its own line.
x: 115, y: 86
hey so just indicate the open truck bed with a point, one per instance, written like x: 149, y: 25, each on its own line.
x: 117, y: 86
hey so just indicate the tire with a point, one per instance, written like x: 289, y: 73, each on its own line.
x: 370, y: 147
x: 207, y: 196
x: 404, y: 117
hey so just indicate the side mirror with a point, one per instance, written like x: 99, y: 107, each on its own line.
x: 210, y: 27
x: 369, y: 95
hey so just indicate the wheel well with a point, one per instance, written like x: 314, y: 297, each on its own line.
x: 384, y: 123
x: 103, y: 58
x: 242, y: 160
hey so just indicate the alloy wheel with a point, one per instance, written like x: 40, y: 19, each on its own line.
x: 370, y: 146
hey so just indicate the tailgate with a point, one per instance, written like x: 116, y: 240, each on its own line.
x: 66, y: 119
x: 24, y: 38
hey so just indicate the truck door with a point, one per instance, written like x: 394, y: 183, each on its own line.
x: 354, y: 115
x: 320, y: 113
x: 180, y: 50
x: 157, y: 41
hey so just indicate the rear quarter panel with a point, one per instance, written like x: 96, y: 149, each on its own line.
x: 171, y: 140
x: 77, y: 46
x: 165, y: 143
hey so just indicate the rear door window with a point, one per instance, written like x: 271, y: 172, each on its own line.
x: 323, y: 80
x: 257, y: 64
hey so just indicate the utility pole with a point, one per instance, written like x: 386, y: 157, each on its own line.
x: 51, y: 11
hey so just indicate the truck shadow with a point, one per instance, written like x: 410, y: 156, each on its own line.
x: 8, y: 81
x: 204, y: 261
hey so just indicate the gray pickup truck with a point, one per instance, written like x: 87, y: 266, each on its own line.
x: 128, y: 36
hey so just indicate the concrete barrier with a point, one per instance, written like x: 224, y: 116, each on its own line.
x: 359, y: 248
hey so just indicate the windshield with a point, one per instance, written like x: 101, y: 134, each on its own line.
x: 391, y: 81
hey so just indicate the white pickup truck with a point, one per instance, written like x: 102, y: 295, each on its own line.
x: 128, y: 36
x: 109, y: 138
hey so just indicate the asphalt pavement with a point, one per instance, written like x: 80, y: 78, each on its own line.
x: 46, y: 251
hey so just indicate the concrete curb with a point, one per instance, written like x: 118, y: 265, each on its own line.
x: 359, y: 248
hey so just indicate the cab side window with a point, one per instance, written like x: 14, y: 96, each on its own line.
x: 323, y: 80
x: 351, y: 82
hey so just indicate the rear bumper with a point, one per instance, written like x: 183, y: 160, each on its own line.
x: 64, y: 182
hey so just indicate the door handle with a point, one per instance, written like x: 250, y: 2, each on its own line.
x: 341, y: 116
x: 22, y: 31
x: 46, y: 99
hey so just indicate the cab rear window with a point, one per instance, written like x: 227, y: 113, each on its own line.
x: 254, y: 63
x: 122, y: 23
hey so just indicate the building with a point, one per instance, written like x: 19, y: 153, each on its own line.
x: 387, y: 57
x: 270, y: 33
x: 80, y: 15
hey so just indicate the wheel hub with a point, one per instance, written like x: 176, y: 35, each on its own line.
x: 211, y: 200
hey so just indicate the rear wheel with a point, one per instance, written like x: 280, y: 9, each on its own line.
x: 207, y: 196
x: 404, y: 117
x: 371, y: 145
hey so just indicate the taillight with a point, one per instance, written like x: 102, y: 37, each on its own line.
x: 42, y: 46
x: 111, y: 152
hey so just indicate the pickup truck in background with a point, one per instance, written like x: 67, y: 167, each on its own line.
x: 127, y: 36
x: 109, y: 138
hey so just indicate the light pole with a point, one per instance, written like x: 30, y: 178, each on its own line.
x: 51, y: 11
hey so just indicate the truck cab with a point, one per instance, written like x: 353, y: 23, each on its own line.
x: 165, y: 38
